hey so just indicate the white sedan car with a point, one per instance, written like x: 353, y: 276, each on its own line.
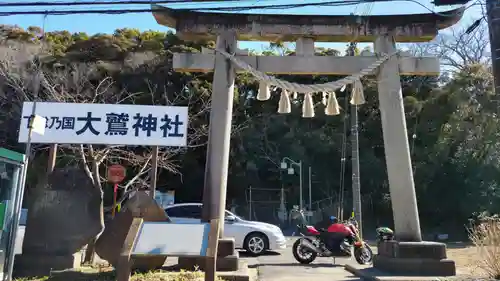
x: 255, y: 237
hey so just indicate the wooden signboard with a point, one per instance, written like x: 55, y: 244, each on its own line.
x: 150, y: 239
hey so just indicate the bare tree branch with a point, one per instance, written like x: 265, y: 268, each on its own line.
x: 84, y: 83
x: 141, y: 172
x: 85, y: 164
x: 456, y: 49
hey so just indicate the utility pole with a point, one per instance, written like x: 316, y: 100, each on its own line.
x: 356, y: 186
x: 493, y: 14
x: 310, y: 189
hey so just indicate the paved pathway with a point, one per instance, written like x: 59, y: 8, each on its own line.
x: 282, y: 266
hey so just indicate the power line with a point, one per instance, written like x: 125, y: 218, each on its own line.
x: 143, y: 2
x: 450, y: 2
x: 125, y: 11
x: 91, y: 3
x: 329, y: 4
x: 72, y: 12
x: 209, y: 9
x: 438, y: 13
x: 133, y: 2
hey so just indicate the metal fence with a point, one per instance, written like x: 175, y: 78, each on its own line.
x: 270, y: 205
x: 264, y: 204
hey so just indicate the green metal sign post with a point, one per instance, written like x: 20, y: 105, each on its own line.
x: 12, y: 165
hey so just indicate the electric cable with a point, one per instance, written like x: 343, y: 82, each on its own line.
x: 119, y: 2
x: 136, y: 2
x: 209, y: 9
x: 438, y: 13
x: 232, y: 8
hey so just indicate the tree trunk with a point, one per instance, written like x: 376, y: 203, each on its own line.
x: 90, y: 251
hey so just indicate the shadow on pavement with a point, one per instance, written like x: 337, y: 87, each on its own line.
x: 245, y: 254
x: 313, y: 265
x: 459, y: 245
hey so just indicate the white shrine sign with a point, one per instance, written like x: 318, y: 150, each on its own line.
x: 111, y: 124
x: 172, y: 239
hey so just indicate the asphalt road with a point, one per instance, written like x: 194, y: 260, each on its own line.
x: 281, y: 266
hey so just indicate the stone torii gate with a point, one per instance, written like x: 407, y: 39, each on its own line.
x: 409, y: 254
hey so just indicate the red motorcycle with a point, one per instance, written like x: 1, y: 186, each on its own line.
x: 313, y: 244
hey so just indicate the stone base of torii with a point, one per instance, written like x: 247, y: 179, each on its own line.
x: 409, y: 254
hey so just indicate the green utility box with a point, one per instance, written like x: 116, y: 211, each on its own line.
x: 11, y: 180
x: 3, y: 212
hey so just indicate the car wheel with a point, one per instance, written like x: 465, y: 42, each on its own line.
x: 256, y: 243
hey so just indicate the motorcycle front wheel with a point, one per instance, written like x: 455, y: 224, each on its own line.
x: 302, y: 254
x: 364, y: 254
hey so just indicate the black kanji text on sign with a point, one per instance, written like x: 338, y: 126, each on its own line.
x: 88, y: 124
x: 169, y: 125
x: 145, y: 123
x: 68, y: 123
x: 117, y: 124
x: 54, y: 121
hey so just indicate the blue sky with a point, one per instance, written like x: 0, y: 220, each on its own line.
x: 144, y: 21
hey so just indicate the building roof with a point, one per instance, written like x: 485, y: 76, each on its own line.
x: 11, y: 155
x: 193, y: 25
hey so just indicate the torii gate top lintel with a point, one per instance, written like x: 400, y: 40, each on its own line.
x: 192, y: 25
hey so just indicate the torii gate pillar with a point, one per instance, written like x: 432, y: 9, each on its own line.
x: 407, y: 255
x: 397, y: 150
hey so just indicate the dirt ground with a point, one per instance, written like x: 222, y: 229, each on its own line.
x: 466, y: 257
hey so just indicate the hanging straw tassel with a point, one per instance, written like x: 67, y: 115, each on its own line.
x: 325, y: 98
x: 284, y: 105
x: 264, y: 92
x: 332, y: 106
x: 308, y: 107
x: 357, y: 97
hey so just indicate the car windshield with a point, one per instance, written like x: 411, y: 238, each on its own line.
x: 233, y: 214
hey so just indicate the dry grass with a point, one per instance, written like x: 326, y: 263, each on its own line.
x: 92, y: 274
x: 486, y: 238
